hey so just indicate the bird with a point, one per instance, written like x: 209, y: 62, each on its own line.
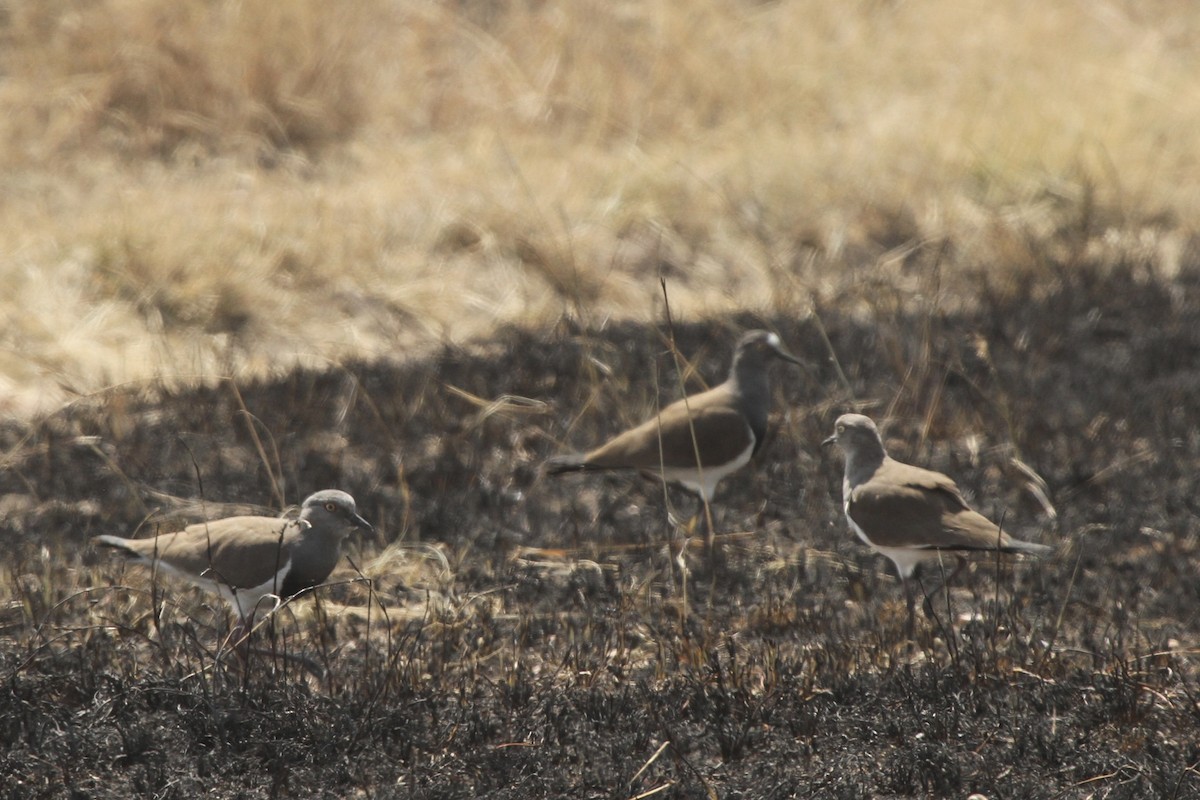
x: 697, y: 440
x: 907, y: 513
x: 244, y: 559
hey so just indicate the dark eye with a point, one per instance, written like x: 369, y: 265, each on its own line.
x: 331, y: 506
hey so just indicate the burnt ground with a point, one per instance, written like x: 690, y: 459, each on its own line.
x: 526, y: 637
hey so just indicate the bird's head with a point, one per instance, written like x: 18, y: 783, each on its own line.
x: 333, y: 508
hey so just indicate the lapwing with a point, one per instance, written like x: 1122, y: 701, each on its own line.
x: 907, y: 513
x: 698, y: 440
x: 245, y: 559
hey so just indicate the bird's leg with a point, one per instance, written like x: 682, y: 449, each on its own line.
x: 910, y: 602
x: 686, y: 525
x: 707, y: 529
x: 676, y: 552
x: 237, y: 641
x: 960, y: 563
x: 239, y: 637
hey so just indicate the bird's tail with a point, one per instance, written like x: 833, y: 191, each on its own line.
x: 569, y: 463
x: 116, y: 543
x: 1029, y: 548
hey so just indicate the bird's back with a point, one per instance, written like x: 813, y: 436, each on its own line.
x: 669, y: 439
x: 907, y: 506
x: 239, y: 552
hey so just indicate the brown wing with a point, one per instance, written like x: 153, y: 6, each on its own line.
x: 239, y: 551
x: 906, y: 506
x: 719, y: 428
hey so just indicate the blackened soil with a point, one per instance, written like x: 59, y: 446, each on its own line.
x: 530, y: 637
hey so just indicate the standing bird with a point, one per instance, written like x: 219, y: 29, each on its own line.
x: 907, y: 513
x: 698, y: 440
x: 244, y: 559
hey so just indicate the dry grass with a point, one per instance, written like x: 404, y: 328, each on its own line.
x: 215, y: 188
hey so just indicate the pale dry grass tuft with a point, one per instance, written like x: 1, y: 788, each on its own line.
x: 204, y: 189
x: 147, y: 77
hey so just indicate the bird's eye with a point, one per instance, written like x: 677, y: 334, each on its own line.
x: 331, y: 506
x: 841, y: 428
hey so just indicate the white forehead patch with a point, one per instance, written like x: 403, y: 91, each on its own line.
x: 773, y: 340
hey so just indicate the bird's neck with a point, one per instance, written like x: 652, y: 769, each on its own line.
x: 324, y: 534
x: 749, y: 383
x: 863, y: 464
x: 320, y: 542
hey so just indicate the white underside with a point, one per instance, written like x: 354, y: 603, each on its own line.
x: 248, y: 602
x: 704, y: 481
x: 245, y: 601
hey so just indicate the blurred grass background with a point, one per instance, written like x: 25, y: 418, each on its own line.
x: 211, y: 188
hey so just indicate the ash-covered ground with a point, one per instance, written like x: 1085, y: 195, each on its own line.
x: 519, y: 636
